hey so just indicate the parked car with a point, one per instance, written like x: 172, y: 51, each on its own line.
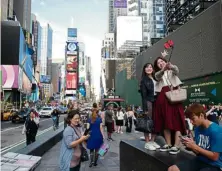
x: 21, y: 115
x: 46, y: 112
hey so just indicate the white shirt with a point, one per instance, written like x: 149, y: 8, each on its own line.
x: 154, y: 84
x: 120, y: 115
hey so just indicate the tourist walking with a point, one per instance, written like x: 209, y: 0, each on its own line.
x: 96, y: 137
x: 168, y: 118
x: 72, y: 143
x: 108, y: 121
x: 129, y: 119
x: 147, y: 89
x: 119, y: 120
x: 30, y: 128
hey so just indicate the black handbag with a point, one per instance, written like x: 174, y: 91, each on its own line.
x: 144, y: 124
x: 84, y: 155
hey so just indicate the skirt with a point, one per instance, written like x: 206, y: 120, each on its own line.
x: 119, y: 122
x: 167, y: 115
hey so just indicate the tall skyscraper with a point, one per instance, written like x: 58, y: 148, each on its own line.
x: 156, y: 19
x: 6, y: 9
x: 116, y: 8
x: 153, y: 14
x: 46, y: 48
x: 22, y: 9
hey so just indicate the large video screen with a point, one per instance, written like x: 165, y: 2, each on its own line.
x: 45, y: 79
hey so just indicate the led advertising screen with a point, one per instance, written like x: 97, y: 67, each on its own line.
x: 72, y: 32
x: 72, y: 48
x: 9, y: 76
x: 120, y: 3
x: 45, y: 79
x: 71, y: 80
x: 71, y: 64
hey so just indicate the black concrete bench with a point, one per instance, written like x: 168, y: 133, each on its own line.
x: 134, y: 157
x: 43, y: 143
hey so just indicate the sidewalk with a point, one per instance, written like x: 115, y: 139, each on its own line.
x: 110, y: 162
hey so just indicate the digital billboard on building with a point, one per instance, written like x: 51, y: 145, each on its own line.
x: 120, y: 3
x: 71, y: 80
x: 72, y: 34
x: 45, y: 79
x: 71, y: 64
x: 72, y: 48
x: 10, y: 75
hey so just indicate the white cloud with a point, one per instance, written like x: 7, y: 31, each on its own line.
x: 92, y: 47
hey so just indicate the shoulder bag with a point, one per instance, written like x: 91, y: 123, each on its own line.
x: 175, y: 96
x: 84, y: 154
x: 144, y: 124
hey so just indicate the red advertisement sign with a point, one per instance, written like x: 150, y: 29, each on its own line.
x: 72, y: 64
x: 71, y: 80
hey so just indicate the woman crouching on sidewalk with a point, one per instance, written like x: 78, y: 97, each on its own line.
x: 72, y: 143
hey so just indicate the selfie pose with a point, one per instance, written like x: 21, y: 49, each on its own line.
x: 206, y: 145
x: 95, y: 140
x: 169, y: 117
x: 72, y: 147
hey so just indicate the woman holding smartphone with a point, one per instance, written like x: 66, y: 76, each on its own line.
x: 96, y: 137
x: 72, y: 143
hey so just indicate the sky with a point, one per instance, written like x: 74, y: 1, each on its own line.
x: 90, y: 17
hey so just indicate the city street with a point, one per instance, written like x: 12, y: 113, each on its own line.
x: 11, y: 134
x: 110, y: 162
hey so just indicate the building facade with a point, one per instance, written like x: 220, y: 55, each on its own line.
x: 7, y: 10
x: 46, y: 48
x: 108, y: 46
x: 22, y: 9
x: 156, y: 20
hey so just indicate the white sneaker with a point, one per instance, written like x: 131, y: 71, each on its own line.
x: 155, y: 145
x: 149, y: 146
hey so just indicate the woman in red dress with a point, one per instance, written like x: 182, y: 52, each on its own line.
x: 168, y: 117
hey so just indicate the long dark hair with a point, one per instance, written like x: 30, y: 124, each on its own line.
x: 156, y: 68
x: 144, y: 74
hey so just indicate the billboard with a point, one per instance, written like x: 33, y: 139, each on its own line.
x: 10, y: 74
x: 71, y: 64
x: 26, y: 84
x: 72, y: 34
x: 129, y: 28
x: 45, y: 79
x: 204, y: 89
x: 71, y: 80
x: 120, y: 3
x: 72, y: 48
